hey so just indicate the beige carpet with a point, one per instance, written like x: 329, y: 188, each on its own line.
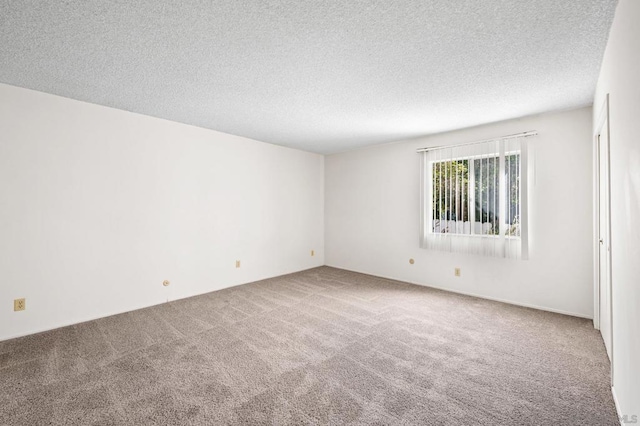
x: 323, y: 346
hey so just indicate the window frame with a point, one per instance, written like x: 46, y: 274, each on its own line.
x: 501, y: 159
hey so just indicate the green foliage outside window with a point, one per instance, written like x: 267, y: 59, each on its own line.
x: 451, y: 198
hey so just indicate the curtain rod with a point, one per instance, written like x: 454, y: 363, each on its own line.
x: 517, y: 135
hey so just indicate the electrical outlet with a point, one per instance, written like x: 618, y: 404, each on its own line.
x: 313, y: 253
x: 456, y: 272
x: 19, y: 304
x: 237, y: 263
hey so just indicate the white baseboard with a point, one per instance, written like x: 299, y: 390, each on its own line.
x: 479, y: 296
x: 138, y: 307
x: 79, y: 321
x: 615, y: 401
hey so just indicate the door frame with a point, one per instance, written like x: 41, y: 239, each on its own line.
x: 600, y: 128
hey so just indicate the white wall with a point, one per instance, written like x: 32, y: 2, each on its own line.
x: 98, y: 206
x: 620, y: 77
x: 372, y: 217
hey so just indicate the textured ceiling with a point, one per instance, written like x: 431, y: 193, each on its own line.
x: 323, y: 76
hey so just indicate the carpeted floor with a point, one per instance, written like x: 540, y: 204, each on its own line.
x: 323, y: 346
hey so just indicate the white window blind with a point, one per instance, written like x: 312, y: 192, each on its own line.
x: 475, y: 197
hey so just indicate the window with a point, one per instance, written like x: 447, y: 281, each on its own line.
x: 466, y: 196
x: 474, y: 198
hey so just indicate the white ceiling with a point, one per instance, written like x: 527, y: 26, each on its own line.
x: 322, y: 76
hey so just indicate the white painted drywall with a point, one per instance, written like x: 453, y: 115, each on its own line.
x: 372, y: 217
x: 98, y: 206
x: 620, y: 77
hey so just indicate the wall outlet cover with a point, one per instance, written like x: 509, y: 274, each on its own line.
x: 19, y: 304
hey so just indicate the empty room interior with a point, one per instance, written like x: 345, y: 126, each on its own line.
x: 319, y: 212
